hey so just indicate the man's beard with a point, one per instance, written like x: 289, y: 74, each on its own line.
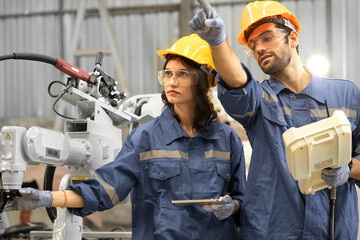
x: 277, y: 64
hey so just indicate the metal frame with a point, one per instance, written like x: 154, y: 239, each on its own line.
x: 39, y: 235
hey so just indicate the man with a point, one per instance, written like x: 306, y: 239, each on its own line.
x: 274, y: 208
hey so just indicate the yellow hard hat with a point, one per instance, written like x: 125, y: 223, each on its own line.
x: 256, y: 11
x: 194, y: 48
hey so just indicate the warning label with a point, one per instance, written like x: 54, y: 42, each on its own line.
x: 7, y: 137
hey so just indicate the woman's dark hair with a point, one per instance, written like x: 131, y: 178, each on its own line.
x: 204, y: 108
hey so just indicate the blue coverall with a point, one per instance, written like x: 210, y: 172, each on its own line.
x: 158, y: 163
x: 273, y: 207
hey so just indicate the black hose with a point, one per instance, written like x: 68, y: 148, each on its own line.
x: 332, y: 212
x: 332, y: 198
x: 30, y: 56
x: 137, y: 112
x: 6, y: 57
x: 48, y: 183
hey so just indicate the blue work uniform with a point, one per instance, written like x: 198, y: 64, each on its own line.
x: 274, y: 207
x: 159, y: 163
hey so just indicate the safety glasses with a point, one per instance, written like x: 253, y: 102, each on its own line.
x: 183, y: 77
x: 267, y: 39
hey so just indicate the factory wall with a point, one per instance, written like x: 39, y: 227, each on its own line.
x: 329, y: 27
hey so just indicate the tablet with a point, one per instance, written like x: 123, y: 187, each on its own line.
x: 197, y: 202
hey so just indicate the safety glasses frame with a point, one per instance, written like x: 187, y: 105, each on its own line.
x: 267, y: 39
x: 180, y: 76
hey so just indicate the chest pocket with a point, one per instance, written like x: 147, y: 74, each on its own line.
x: 274, y: 125
x: 223, y: 169
x: 164, y: 170
x: 163, y: 177
x: 273, y: 113
x: 220, y: 177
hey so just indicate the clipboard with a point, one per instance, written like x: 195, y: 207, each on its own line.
x: 197, y: 202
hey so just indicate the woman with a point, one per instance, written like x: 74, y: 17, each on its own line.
x: 183, y: 154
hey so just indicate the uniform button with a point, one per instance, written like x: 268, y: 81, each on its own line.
x: 228, y: 176
x: 162, y: 174
x: 293, y: 97
x: 281, y: 119
x: 191, y: 140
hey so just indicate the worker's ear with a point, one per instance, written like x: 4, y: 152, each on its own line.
x: 294, y: 39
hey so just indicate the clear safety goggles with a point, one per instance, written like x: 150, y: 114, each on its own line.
x: 179, y: 76
x: 267, y: 39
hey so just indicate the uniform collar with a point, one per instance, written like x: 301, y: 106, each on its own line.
x: 172, y: 129
x: 315, y: 89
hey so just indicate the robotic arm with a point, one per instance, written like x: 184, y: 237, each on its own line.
x: 20, y: 147
x: 90, y: 140
x: 97, y: 84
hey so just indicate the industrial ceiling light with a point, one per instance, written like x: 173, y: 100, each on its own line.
x: 318, y: 64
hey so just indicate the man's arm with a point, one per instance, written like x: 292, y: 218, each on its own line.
x: 228, y: 65
x: 355, y: 174
x: 210, y: 27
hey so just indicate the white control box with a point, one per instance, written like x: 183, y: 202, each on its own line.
x: 313, y: 147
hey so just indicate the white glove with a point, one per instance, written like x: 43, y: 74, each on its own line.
x: 31, y: 198
x: 336, y: 176
x: 222, y: 211
x: 209, y: 25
